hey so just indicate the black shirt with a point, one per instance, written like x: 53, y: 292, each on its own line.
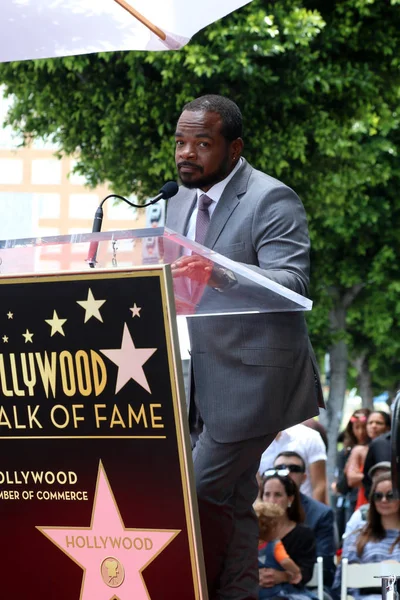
x: 301, y: 547
x: 379, y: 451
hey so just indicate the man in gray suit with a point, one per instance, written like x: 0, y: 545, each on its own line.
x: 252, y: 375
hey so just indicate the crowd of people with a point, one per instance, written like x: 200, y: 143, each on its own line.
x: 297, y: 522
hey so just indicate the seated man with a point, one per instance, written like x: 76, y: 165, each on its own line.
x: 309, y: 444
x: 319, y: 517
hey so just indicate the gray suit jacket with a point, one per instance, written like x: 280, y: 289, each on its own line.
x: 253, y: 374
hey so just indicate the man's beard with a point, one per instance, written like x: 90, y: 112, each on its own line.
x: 208, y: 180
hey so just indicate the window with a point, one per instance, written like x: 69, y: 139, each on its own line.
x: 11, y: 171
x: 17, y: 218
x: 46, y: 171
x: 48, y: 205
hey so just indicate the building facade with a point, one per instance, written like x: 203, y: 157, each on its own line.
x: 41, y: 196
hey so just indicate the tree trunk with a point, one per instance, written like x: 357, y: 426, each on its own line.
x: 331, y: 417
x: 364, y: 380
x: 338, y: 355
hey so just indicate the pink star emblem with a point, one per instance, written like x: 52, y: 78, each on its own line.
x: 130, y: 361
x: 111, y: 556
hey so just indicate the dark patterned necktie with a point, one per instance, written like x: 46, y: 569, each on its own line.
x: 203, y: 218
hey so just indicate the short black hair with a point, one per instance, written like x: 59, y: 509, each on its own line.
x: 232, y: 122
x: 290, y: 454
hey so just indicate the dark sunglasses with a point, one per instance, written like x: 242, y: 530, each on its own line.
x: 283, y: 470
x: 379, y: 496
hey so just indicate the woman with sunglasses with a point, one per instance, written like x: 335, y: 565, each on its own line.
x: 353, y: 435
x: 298, y: 540
x: 378, y: 540
x: 378, y: 422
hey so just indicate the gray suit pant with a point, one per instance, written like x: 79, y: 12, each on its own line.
x: 226, y: 489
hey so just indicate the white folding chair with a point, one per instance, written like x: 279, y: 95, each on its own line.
x: 365, y: 576
x: 317, y: 580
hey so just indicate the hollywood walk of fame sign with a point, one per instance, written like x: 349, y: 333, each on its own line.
x: 96, y: 493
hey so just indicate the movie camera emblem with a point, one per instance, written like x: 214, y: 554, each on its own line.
x: 112, y: 572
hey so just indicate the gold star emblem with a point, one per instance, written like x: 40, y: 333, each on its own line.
x: 10, y: 315
x: 91, y: 307
x: 5, y: 339
x: 135, y: 311
x: 56, y: 324
x: 28, y: 336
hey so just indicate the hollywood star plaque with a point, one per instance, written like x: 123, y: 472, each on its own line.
x: 96, y: 488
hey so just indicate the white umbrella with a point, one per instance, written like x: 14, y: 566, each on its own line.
x: 32, y: 29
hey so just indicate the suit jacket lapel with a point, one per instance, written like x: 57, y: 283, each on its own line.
x: 180, y: 220
x: 229, y: 200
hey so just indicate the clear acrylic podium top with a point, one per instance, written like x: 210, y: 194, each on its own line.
x: 212, y: 284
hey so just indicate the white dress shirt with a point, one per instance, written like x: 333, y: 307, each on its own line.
x: 215, y: 193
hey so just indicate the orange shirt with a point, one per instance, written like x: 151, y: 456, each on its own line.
x: 280, y: 553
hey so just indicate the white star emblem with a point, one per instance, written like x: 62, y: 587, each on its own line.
x: 56, y: 324
x: 5, y: 339
x: 91, y: 306
x: 28, y: 336
x: 135, y: 311
x: 10, y: 315
x: 130, y: 361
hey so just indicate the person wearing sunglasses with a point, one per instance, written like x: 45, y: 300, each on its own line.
x: 378, y: 540
x: 359, y: 517
x: 309, y: 444
x: 318, y: 516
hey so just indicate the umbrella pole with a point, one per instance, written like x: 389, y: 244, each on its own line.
x: 158, y: 32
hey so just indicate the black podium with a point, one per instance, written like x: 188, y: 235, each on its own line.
x: 97, y: 495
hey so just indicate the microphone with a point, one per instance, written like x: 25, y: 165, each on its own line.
x: 169, y: 189
x: 93, y: 246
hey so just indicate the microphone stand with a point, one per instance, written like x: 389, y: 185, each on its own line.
x: 168, y: 190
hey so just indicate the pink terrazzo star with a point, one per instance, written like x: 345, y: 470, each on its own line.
x: 111, y: 556
x: 130, y: 361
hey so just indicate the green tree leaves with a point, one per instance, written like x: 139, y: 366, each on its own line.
x: 318, y: 82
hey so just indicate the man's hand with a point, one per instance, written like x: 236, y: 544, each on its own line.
x: 270, y: 577
x: 194, y: 266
